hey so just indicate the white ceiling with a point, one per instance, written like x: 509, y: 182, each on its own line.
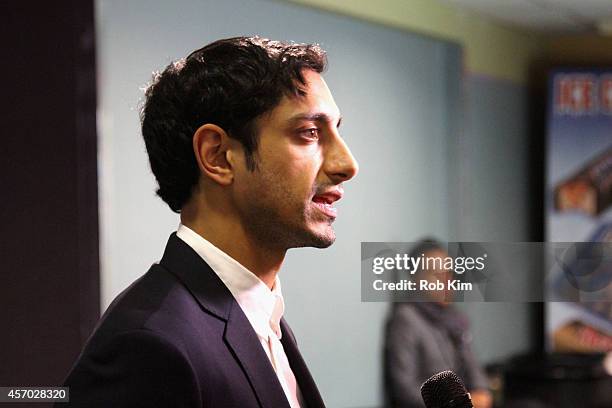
x: 545, y: 15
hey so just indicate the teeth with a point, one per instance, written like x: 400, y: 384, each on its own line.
x: 323, y: 200
x: 328, y: 208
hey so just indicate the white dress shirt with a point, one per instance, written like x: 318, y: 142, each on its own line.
x: 263, y: 307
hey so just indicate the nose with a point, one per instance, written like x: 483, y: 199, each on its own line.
x: 340, y: 165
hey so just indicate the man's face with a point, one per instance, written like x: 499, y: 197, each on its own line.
x: 302, y: 161
x: 436, y: 274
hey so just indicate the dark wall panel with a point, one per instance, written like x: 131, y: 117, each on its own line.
x: 49, y: 290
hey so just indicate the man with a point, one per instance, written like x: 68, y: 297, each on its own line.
x: 429, y: 336
x: 242, y: 137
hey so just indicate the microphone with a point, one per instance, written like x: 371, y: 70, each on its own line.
x: 445, y: 390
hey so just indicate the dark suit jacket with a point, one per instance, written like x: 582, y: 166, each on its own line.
x: 177, y: 338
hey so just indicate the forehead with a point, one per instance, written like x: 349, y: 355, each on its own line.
x: 317, y: 102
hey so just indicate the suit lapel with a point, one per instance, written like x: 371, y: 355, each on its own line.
x: 309, y: 389
x: 243, y: 340
x: 212, y: 295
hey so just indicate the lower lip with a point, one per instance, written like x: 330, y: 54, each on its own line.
x: 327, y: 209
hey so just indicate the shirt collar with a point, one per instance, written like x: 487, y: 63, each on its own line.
x: 263, y: 307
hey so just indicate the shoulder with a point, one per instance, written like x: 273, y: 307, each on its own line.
x: 406, y: 325
x: 158, y: 309
x: 406, y: 314
x: 152, y: 297
x: 142, y: 349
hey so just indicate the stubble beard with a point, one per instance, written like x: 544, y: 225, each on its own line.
x: 270, y: 229
x: 265, y: 223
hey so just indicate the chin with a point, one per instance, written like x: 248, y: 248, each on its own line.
x: 316, y: 239
x: 323, y: 240
x: 324, y: 243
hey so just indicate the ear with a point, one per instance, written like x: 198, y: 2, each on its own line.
x: 211, y: 145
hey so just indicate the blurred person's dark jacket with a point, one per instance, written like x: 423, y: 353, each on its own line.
x: 422, y: 339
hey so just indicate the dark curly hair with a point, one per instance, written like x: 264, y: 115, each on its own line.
x: 229, y: 83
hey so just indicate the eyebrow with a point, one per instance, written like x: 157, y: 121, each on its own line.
x: 315, y: 117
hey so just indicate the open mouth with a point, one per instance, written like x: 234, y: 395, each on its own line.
x: 324, y: 202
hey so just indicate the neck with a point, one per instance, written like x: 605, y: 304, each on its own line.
x: 228, y: 234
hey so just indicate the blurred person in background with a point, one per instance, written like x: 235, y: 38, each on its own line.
x: 423, y: 338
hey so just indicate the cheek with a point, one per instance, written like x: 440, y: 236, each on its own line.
x: 294, y: 164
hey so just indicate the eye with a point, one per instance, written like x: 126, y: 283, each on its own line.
x: 311, y: 133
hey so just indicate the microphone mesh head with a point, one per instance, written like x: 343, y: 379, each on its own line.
x: 442, y: 388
